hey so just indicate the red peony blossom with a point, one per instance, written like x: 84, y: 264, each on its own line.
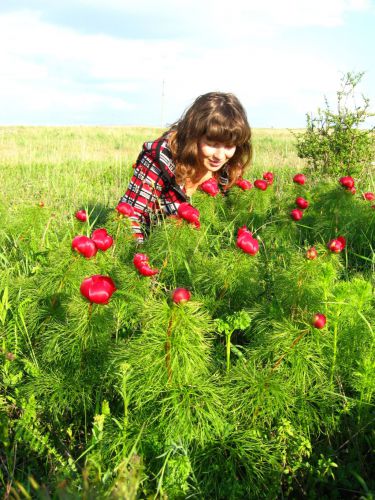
x: 347, y: 182
x: 268, y: 177
x: 299, y: 179
x: 337, y: 245
x: 146, y: 270
x: 85, y: 246
x: 261, y: 184
x: 244, y: 184
x: 180, y: 295
x: 102, y: 239
x: 319, y: 321
x: 210, y: 187
x: 189, y: 213
x: 125, y: 209
x: 302, y: 203
x: 296, y: 214
x: 311, y: 253
x: 81, y: 215
x: 98, y: 288
x: 243, y: 231
x: 246, y: 242
x: 369, y: 196
x: 140, y: 260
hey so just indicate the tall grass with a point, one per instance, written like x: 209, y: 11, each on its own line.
x: 92, y: 165
x: 233, y: 395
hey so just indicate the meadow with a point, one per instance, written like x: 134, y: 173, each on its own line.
x: 93, y: 164
x: 233, y: 394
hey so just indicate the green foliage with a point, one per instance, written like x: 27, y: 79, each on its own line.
x: 29, y: 433
x: 335, y: 142
x: 233, y: 394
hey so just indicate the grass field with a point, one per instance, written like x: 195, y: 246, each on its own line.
x: 234, y: 394
x: 89, y: 165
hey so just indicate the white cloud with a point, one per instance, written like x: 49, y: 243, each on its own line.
x: 307, y: 12
x: 13, y: 67
x: 38, y: 98
x: 24, y: 35
x: 213, y: 15
x: 46, y: 67
x: 272, y: 77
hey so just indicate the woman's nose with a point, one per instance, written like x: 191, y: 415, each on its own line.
x: 219, y: 154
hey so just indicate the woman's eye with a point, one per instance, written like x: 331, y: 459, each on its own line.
x: 219, y: 145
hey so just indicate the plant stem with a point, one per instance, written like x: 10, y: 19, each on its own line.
x: 228, y: 350
x: 293, y: 344
x: 275, y: 366
x: 170, y: 253
x: 46, y: 230
x: 54, y: 298
x: 168, y: 349
x: 115, y: 239
x: 334, y: 354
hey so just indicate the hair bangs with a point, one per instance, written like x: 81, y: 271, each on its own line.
x: 227, y: 130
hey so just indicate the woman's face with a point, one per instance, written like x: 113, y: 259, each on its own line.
x: 213, y: 155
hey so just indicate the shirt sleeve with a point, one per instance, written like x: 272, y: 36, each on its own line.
x: 143, y: 192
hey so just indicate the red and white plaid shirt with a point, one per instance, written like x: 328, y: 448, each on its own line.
x: 153, y: 189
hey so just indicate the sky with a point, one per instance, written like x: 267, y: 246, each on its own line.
x: 143, y: 62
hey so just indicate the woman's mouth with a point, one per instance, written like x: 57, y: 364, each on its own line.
x: 215, y: 163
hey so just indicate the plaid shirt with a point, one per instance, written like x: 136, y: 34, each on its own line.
x: 153, y: 189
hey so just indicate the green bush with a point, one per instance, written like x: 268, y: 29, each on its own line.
x: 336, y: 142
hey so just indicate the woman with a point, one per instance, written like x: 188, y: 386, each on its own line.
x: 211, y: 139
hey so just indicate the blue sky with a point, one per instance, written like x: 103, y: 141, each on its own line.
x: 103, y: 62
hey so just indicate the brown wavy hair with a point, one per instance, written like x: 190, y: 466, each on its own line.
x: 220, y: 117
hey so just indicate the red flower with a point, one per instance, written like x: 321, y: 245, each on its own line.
x: 243, y: 231
x: 81, y: 215
x: 146, y: 270
x: 246, y: 242
x: 102, y: 239
x: 369, y: 196
x: 337, y: 245
x: 84, y: 246
x: 244, y: 184
x: 319, y: 321
x: 180, y: 295
x: 347, y: 182
x: 189, y: 213
x: 261, y: 184
x: 268, y: 177
x: 299, y: 179
x: 125, y: 209
x: 140, y: 260
x: 98, y: 288
x: 311, y: 253
x: 302, y: 203
x: 210, y: 187
x: 296, y: 214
